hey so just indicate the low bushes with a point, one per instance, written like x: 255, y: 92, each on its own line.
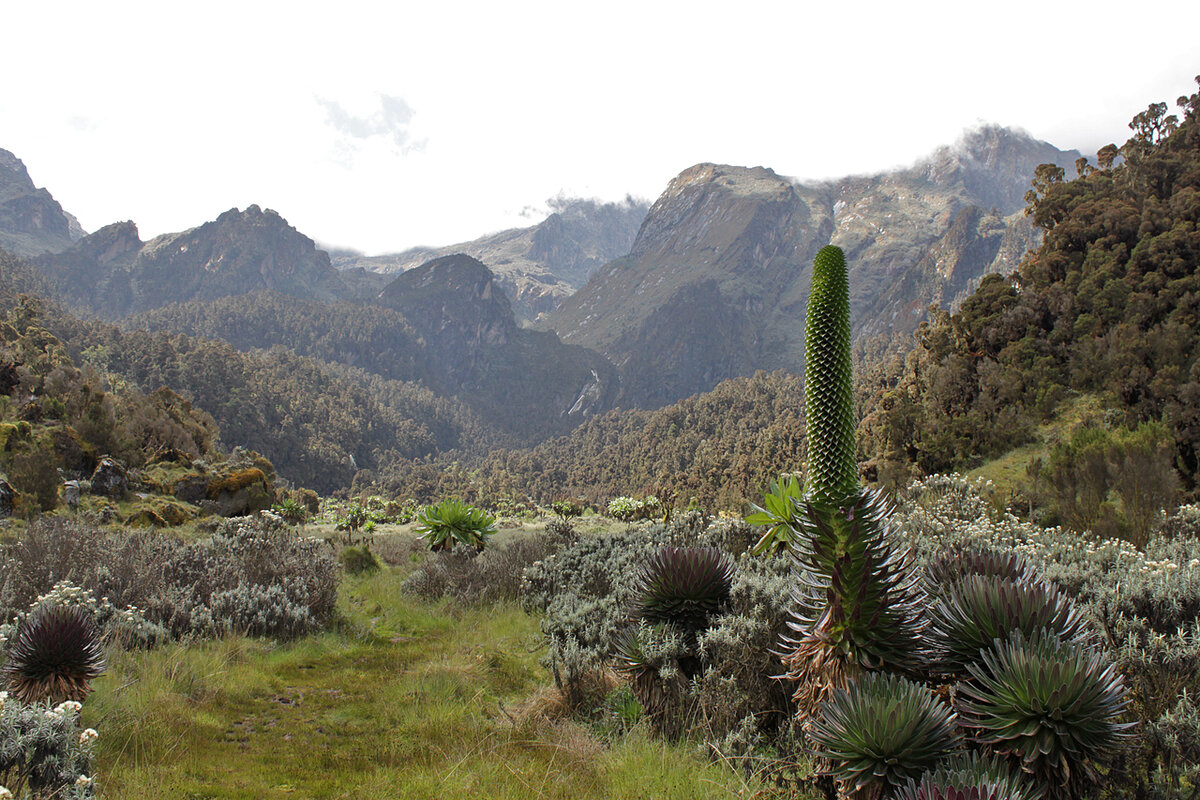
x: 253, y: 576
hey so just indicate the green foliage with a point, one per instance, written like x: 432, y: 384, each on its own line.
x: 292, y: 511
x: 961, y: 562
x: 1103, y: 307
x: 1049, y: 704
x: 969, y: 776
x: 780, y: 512
x: 720, y: 448
x: 55, y: 655
x: 565, y: 509
x: 859, y: 600
x: 451, y: 521
x: 881, y: 732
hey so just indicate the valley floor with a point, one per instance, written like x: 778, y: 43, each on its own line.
x: 406, y: 699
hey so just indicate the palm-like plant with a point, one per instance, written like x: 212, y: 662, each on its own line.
x: 881, y: 732
x: 683, y: 586
x: 453, y: 521
x: 1048, y: 704
x: 977, y: 610
x: 858, y: 602
x: 54, y: 656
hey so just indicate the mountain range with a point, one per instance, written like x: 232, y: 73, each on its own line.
x: 716, y: 283
x: 599, y: 306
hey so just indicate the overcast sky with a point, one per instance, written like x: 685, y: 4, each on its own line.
x: 379, y: 126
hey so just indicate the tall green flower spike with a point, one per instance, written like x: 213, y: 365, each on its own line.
x: 828, y: 392
x: 857, y: 603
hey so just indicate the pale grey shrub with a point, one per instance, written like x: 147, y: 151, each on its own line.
x: 44, y: 752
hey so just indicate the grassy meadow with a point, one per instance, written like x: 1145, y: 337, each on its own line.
x: 403, y: 698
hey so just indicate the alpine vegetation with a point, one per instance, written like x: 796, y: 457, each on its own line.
x: 899, y: 672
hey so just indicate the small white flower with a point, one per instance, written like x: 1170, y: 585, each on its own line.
x: 88, y: 736
x: 5, y: 794
x: 83, y: 781
x: 68, y: 707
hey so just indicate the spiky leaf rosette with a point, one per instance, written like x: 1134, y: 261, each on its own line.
x: 652, y: 658
x: 881, y: 732
x: 976, y: 610
x: 828, y: 390
x: 858, y: 604
x: 683, y: 586
x: 54, y: 656
x: 969, y: 776
x: 1049, y: 705
x: 963, y: 561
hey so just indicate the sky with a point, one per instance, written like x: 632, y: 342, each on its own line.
x: 380, y: 126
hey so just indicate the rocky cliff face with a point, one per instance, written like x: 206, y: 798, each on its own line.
x: 538, y: 266
x: 524, y: 381
x: 31, y: 221
x: 716, y: 283
x: 113, y: 273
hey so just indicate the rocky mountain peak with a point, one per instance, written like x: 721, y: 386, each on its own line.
x: 13, y: 171
x: 709, y: 206
x: 453, y: 291
x: 993, y: 164
x: 31, y: 221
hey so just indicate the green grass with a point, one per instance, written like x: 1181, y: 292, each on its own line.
x: 405, y: 700
x: 1009, y: 471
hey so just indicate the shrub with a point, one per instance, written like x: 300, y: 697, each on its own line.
x: 1051, y: 705
x: 45, y: 751
x: 881, y: 732
x: 977, y: 610
x: 166, y: 581
x: 683, y: 586
x: 474, y: 578
x: 969, y: 775
x: 358, y: 560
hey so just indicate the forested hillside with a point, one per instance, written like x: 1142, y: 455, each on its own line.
x: 1108, y: 307
x: 718, y: 449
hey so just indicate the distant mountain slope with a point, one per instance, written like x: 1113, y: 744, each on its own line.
x: 31, y: 221
x: 716, y: 282
x: 524, y: 381
x: 540, y: 265
x: 445, y: 325
x: 112, y: 273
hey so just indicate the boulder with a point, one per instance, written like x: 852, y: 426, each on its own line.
x: 8, y: 498
x: 110, y: 478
